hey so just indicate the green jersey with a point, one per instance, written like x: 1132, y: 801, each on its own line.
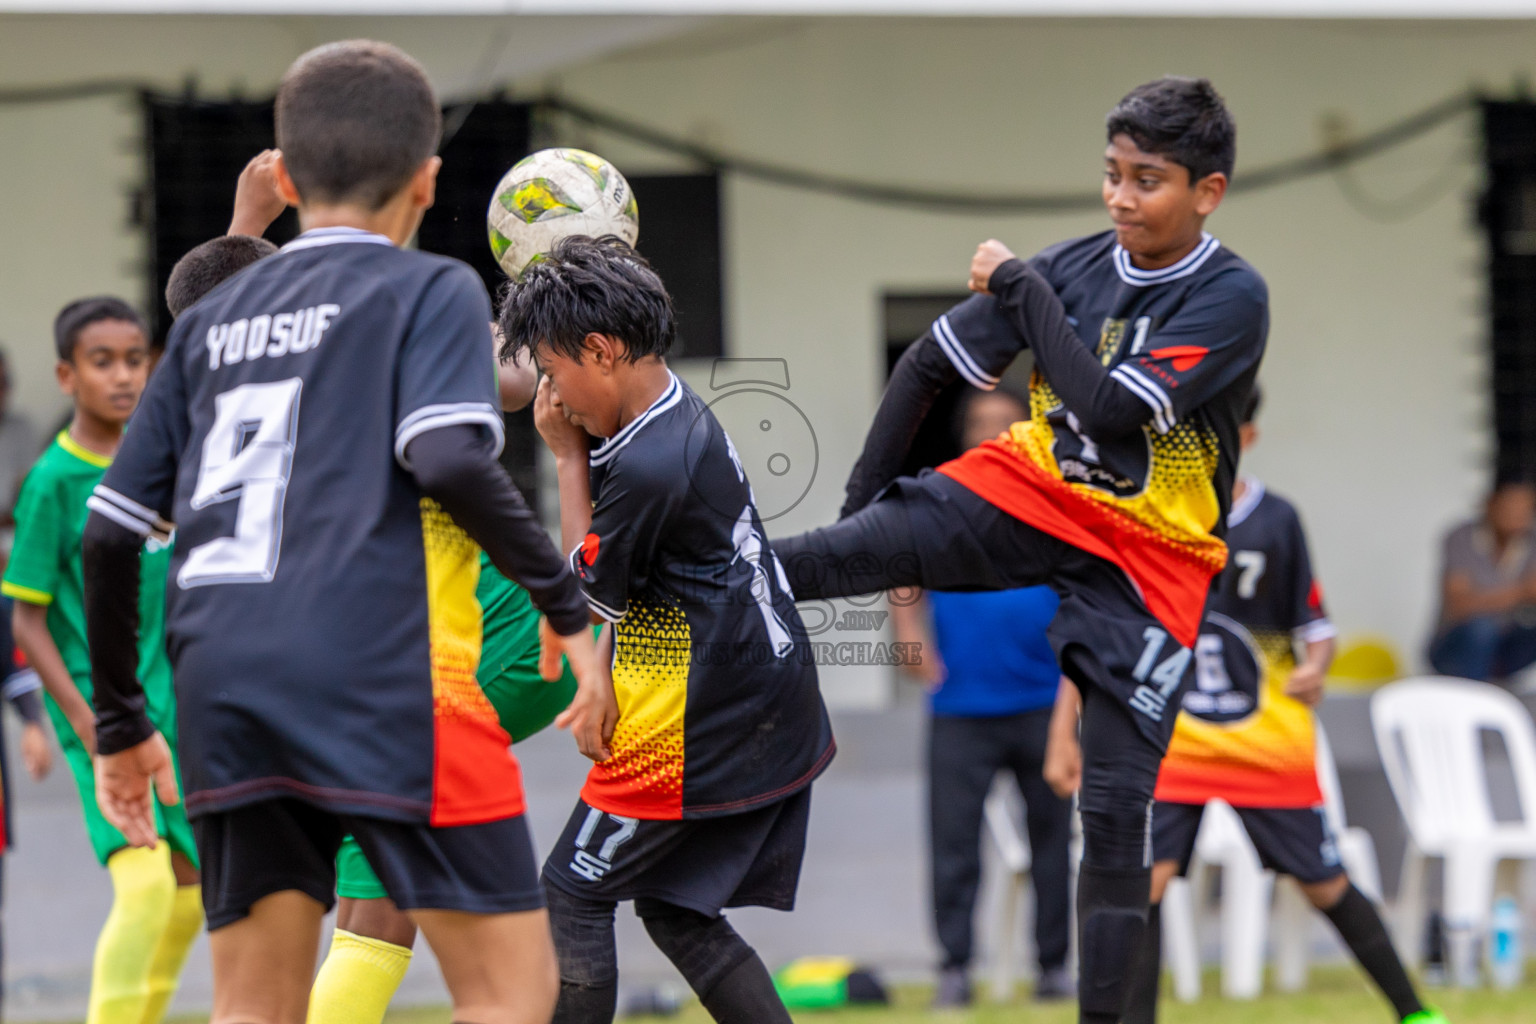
x: 525, y: 702
x: 509, y: 658
x: 45, y: 570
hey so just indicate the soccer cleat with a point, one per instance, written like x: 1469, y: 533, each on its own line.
x: 1428, y: 1015
x: 1055, y: 985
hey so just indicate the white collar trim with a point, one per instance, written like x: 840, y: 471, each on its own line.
x: 670, y: 397
x: 1242, y: 508
x: 316, y: 237
x: 1188, y: 265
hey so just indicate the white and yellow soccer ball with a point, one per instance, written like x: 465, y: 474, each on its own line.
x: 555, y: 193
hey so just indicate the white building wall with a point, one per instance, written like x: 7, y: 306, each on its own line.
x: 1376, y: 420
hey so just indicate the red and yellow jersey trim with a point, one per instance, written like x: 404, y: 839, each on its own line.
x: 475, y: 778
x: 1173, y: 570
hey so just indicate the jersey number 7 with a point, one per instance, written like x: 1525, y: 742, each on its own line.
x: 247, y: 457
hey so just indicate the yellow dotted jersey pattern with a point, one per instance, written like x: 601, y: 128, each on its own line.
x: 644, y: 777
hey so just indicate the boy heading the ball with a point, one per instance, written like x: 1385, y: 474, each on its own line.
x: 323, y: 431
x: 714, y: 727
x: 1146, y: 342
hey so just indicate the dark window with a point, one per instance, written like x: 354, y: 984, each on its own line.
x: 197, y: 150
x: 1509, y: 219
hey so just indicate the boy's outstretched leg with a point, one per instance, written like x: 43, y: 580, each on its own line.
x: 724, y: 972
x: 588, y: 960
x: 1360, y: 926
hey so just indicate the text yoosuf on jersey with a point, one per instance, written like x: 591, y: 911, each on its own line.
x: 271, y: 335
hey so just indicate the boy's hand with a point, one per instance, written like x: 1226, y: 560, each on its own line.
x: 594, y: 711
x: 990, y: 255
x: 1063, y: 767
x: 565, y: 439
x: 1306, y: 684
x: 35, y: 753
x: 257, y: 203
x: 123, y: 788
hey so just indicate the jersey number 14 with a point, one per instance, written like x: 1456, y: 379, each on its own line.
x: 247, y: 458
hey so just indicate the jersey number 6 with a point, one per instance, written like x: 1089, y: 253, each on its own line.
x: 247, y: 457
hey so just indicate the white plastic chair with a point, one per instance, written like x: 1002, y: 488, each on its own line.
x: 1248, y: 891
x: 1013, y: 852
x: 1429, y: 734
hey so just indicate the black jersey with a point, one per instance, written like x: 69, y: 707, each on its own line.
x: 719, y: 709
x: 1130, y: 456
x: 1241, y: 738
x: 322, y: 620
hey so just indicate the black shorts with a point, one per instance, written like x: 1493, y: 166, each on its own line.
x: 1293, y: 841
x: 705, y: 865
x: 251, y: 852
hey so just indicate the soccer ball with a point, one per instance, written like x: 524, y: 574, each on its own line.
x: 555, y: 193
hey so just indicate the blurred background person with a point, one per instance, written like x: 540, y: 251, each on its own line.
x: 991, y: 679
x: 1487, y: 626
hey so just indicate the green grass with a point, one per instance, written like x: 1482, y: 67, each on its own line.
x: 1335, y: 996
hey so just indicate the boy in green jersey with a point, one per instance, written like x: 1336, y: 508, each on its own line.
x: 104, y: 361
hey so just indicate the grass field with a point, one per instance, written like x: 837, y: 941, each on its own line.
x: 1335, y: 996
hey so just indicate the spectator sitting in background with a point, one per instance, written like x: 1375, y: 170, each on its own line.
x: 1487, y: 627
x: 991, y: 678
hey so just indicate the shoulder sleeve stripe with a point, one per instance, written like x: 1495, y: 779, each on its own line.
x: 21, y: 683
x: 944, y: 334
x: 433, y: 417
x: 1317, y: 631
x: 131, y: 523
x: 126, y: 504
x: 1143, y: 388
x: 27, y: 594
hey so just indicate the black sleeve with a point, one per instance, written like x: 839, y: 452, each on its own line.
x: 456, y: 466
x: 1105, y: 407
x: 920, y: 374
x: 109, y: 558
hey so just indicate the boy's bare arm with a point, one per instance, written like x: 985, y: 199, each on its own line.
x: 29, y: 622
x: 257, y: 202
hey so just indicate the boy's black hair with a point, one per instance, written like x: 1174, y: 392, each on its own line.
x: 587, y: 286
x: 355, y: 120
x: 1251, y: 407
x: 81, y: 313
x: 207, y: 266
x: 1183, y: 119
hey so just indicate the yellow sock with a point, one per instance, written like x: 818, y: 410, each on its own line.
x: 143, y: 892
x: 171, y: 952
x: 357, y: 980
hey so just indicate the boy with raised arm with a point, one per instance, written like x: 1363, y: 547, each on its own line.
x: 1146, y: 341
